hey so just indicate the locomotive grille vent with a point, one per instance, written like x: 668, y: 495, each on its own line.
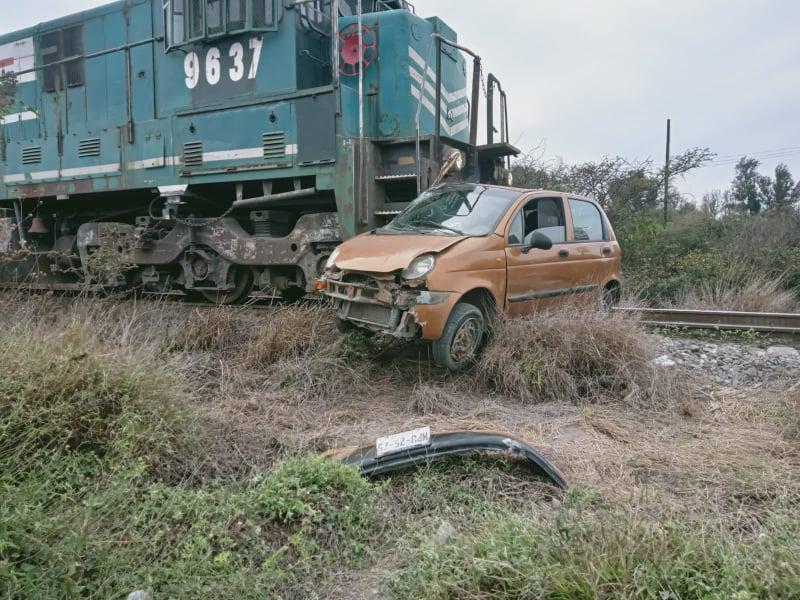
x: 193, y: 154
x: 89, y: 147
x: 32, y: 156
x: 274, y: 145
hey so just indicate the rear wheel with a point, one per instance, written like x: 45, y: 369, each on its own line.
x: 462, y: 339
x: 608, y: 299
x: 241, y: 278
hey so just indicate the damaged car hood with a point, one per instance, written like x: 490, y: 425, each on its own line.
x: 387, y: 253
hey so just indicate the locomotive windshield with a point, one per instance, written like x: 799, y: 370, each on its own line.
x: 188, y: 21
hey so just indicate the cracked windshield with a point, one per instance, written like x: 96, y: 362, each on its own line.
x: 472, y: 210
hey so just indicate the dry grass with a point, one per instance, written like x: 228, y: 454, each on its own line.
x: 749, y: 294
x: 572, y: 354
x: 577, y: 385
x: 289, y: 383
x: 288, y: 334
x: 429, y: 399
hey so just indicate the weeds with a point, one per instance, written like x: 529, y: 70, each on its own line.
x: 579, y: 551
x: 738, y: 292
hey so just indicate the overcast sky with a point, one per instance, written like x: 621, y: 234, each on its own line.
x: 590, y: 78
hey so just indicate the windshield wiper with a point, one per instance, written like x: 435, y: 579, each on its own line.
x: 435, y: 225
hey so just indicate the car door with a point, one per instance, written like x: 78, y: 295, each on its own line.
x: 536, y: 277
x: 592, y: 245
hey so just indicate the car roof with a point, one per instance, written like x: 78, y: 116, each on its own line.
x: 540, y: 192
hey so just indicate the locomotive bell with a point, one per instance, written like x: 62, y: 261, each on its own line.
x: 38, y: 226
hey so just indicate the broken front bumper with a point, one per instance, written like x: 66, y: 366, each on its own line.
x: 445, y: 445
x: 384, y: 306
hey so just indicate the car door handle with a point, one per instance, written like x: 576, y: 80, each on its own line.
x: 607, y: 250
x: 563, y: 253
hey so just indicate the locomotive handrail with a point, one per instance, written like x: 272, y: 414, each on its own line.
x: 89, y: 56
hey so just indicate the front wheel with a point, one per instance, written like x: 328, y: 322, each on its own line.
x: 463, y: 336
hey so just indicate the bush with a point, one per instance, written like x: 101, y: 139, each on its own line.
x: 69, y: 395
x: 695, y: 253
x: 569, y: 354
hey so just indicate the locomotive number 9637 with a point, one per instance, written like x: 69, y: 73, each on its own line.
x: 238, y: 64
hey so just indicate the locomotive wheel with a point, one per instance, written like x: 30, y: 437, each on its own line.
x: 242, y: 280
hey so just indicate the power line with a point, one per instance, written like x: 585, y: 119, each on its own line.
x: 733, y: 161
x: 790, y: 148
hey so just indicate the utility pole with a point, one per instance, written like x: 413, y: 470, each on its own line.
x: 666, y: 175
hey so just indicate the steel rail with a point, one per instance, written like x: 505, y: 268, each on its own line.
x: 777, y: 323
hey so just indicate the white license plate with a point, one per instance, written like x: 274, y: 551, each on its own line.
x: 391, y: 444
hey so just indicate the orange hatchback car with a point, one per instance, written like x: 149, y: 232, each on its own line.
x: 461, y: 253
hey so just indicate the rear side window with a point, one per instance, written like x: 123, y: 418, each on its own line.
x: 587, y: 221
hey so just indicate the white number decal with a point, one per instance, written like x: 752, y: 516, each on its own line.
x: 237, y: 54
x: 212, y: 66
x: 255, y: 46
x: 190, y: 67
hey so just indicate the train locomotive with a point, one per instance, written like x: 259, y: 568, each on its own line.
x: 223, y: 148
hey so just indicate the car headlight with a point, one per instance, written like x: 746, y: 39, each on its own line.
x: 332, y: 260
x: 420, y: 267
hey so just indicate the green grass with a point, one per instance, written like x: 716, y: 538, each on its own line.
x: 581, y: 550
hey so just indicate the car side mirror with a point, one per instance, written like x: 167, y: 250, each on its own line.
x: 539, y: 241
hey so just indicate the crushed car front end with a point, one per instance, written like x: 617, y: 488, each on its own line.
x: 384, y: 303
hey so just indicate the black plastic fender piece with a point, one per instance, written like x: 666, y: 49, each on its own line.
x: 444, y: 445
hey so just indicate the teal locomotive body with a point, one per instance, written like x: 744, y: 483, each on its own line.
x: 224, y: 147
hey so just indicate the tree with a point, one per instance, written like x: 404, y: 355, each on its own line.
x: 746, y: 189
x: 784, y: 189
x: 624, y: 188
x: 714, y: 203
x: 8, y: 89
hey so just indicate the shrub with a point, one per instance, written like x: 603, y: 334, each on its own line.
x: 569, y: 354
x: 69, y: 395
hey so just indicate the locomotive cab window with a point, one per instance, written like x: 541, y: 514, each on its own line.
x: 57, y: 46
x: 237, y: 15
x: 188, y: 21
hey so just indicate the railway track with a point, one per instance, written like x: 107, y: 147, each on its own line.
x: 718, y: 320
x: 712, y: 320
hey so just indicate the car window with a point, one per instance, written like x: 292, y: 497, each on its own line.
x: 586, y: 221
x: 516, y: 234
x: 545, y: 215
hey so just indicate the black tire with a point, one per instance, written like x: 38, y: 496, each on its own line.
x: 608, y: 299
x: 343, y: 326
x: 462, y: 339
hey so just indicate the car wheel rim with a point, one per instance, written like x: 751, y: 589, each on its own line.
x: 466, y: 341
